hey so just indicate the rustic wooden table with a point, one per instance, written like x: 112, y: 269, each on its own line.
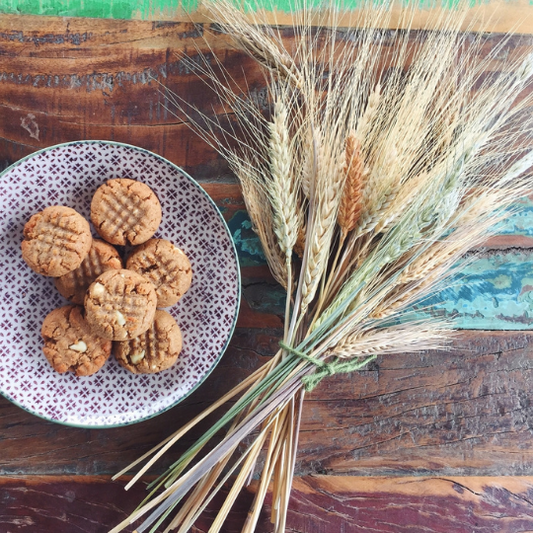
x: 417, y: 442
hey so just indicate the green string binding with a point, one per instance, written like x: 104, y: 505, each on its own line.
x: 336, y: 366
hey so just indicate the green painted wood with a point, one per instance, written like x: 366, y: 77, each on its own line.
x: 494, y: 291
x: 112, y: 9
x: 162, y: 9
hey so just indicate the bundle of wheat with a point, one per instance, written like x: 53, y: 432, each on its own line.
x: 375, y: 168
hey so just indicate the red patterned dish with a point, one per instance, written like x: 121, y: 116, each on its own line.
x: 69, y: 174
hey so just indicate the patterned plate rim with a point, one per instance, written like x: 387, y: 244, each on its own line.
x: 237, y: 303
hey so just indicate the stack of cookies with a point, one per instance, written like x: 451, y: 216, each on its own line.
x: 113, y: 308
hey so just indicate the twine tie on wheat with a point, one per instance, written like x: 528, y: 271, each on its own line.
x: 336, y: 366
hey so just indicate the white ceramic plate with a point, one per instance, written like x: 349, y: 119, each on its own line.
x: 69, y: 174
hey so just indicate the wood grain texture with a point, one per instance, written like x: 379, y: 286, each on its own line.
x: 451, y: 412
x: 324, y: 504
x: 464, y: 412
x: 66, y: 79
x: 319, y: 504
x: 69, y: 79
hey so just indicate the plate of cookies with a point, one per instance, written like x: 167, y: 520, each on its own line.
x: 120, y: 284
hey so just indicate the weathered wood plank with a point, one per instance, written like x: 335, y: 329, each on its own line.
x: 319, y: 504
x: 64, y: 504
x: 69, y: 79
x: 464, y: 412
x: 498, y: 15
x: 65, y: 79
x: 324, y: 504
x: 494, y: 291
x: 491, y: 292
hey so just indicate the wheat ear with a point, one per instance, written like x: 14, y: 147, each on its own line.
x: 396, y: 339
x: 408, y: 192
x: 310, y: 144
x: 329, y: 182
x: 378, y: 193
x: 260, y: 212
x: 282, y: 189
x: 365, y: 122
x: 350, y: 206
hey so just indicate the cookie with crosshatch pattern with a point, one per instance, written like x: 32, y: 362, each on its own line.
x: 101, y: 257
x: 70, y: 345
x: 120, y: 305
x: 125, y: 211
x: 56, y: 241
x: 155, y: 350
x: 166, y: 266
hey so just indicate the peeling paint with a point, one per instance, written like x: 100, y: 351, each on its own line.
x: 246, y: 241
x: 106, y: 81
x: 75, y: 39
x: 29, y: 124
x: 519, y: 223
x: 170, y: 9
x: 490, y: 293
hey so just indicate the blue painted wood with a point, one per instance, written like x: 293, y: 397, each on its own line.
x: 248, y: 244
x: 520, y: 223
x: 494, y: 291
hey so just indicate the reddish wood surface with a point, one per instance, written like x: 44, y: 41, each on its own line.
x: 319, y: 504
x: 64, y: 79
x: 465, y: 413
x: 71, y: 79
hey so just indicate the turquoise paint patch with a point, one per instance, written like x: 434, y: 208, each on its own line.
x: 520, y: 223
x: 246, y: 241
x: 490, y: 293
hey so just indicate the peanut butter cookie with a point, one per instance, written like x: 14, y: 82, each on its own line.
x: 125, y: 211
x: 155, y: 350
x: 166, y: 266
x: 120, y: 305
x: 101, y: 257
x: 56, y: 241
x: 69, y: 343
